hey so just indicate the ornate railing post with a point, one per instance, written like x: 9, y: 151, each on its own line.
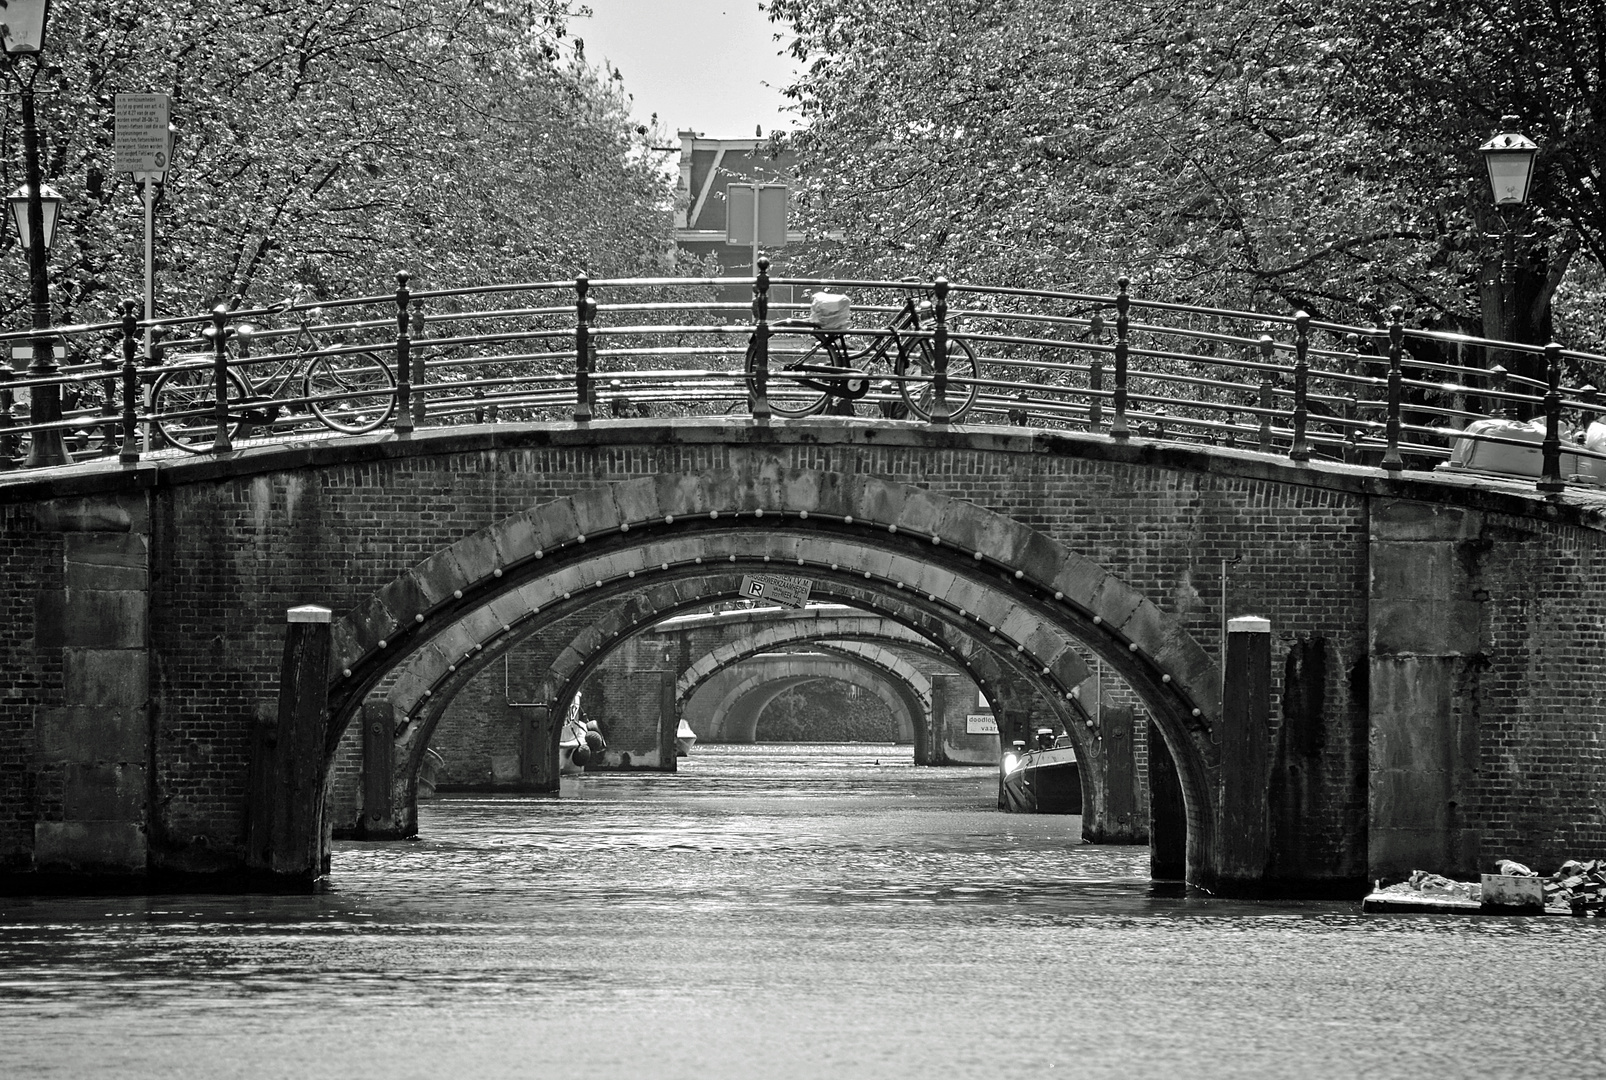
x: 404, y: 357
x: 219, y: 333
x: 130, y: 448
x: 1123, y: 303
x: 1268, y: 394
x: 583, y: 308
x: 1095, y: 376
x: 1300, y: 450
x: 939, y: 352
x: 1497, y: 380
x: 761, y: 342
x: 1392, y: 461
x: 1550, y: 478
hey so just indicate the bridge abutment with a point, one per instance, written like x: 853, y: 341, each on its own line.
x: 77, y: 792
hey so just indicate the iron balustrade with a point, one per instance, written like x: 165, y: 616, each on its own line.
x: 579, y: 351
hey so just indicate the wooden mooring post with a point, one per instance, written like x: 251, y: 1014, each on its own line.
x: 285, y: 833
x: 1242, y: 848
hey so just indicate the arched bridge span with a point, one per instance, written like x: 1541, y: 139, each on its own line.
x: 156, y: 596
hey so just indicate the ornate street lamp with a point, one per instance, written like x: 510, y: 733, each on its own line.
x: 1509, y: 157
x: 23, y: 34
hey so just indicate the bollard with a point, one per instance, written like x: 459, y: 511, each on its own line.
x: 1550, y: 480
x: 404, y: 357
x: 1300, y: 450
x: 761, y: 342
x: 1391, y: 456
x: 219, y: 333
x: 584, y: 309
x: 939, y: 352
x: 1118, y: 428
x: 130, y: 448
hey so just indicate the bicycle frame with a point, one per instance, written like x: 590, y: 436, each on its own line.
x: 846, y: 381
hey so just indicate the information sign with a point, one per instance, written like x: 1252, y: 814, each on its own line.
x: 140, y: 142
x: 768, y: 218
x: 981, y: 725
x: 787, y: 591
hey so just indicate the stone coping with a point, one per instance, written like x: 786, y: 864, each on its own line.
x: 1579, y: 505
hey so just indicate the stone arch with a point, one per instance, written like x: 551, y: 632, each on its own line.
x: 622, y: 614
x: 905, y: 692
x: 1028, y: 591
x: 808, y: 627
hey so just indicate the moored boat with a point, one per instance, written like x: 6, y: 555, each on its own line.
x: 1044, y: 779
x: 685, y: 738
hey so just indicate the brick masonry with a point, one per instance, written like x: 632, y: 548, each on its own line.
x: 231, y: 545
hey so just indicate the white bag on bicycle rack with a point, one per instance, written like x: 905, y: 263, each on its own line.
x: 832, y: 311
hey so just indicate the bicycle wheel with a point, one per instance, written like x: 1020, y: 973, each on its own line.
x: 351, y: 392
x: 185, y: 403
x: 916, y: 367
x: 789, y: 398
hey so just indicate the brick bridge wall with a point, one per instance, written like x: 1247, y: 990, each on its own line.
x: 1498, y: 603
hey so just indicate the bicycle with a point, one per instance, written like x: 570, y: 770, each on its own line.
x: 350, y: 389
x: 824, y: 371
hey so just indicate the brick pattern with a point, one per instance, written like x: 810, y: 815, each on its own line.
x: 335, y: 535
x: 32, y: 559
x: 229, y: 556
x: 1538, y: 693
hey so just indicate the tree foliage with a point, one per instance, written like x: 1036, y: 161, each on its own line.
x: 1273, y: 155
x: 326, y: 146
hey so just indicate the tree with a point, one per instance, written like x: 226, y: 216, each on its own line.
x: 325, y: 146
x: 1468, y: 64
x: 1236, y: 153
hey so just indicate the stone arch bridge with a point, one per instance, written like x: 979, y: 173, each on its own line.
x: 1434, y: 656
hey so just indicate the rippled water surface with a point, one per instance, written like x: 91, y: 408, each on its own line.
x: 776, y: 912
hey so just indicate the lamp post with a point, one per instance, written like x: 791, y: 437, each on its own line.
x: 1509, y: 157
x: 23, y: 34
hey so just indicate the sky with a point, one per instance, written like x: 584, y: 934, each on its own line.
x: 699, y: 64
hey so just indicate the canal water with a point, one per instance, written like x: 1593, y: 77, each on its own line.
x: 775, y: 912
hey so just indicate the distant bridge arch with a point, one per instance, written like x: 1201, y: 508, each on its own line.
x: 734, y: 716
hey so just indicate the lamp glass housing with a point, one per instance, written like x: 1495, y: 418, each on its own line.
x: 1510, y: 160
x: 24, y: 25
x: 49, y: 202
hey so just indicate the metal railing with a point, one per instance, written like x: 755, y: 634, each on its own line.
x: 1116, y: 365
